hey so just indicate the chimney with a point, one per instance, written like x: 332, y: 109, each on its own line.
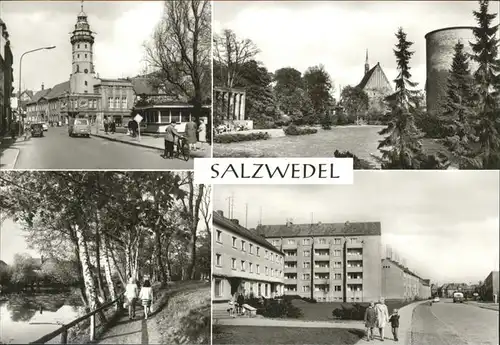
x: 235, y: 221
x: 220, y: 212
x: 43, y: 87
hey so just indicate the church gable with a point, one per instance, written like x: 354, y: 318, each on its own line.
x: 377, y: 80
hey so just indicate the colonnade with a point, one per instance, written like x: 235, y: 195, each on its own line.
x: 230, y: 103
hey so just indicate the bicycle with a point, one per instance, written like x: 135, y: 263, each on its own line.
x: 182, y: 149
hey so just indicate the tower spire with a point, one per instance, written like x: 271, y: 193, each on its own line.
x: 81, y: 5
x: 367, y: 66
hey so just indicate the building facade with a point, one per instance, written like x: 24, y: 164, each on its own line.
x: 377, y: 87
x: 398, y: 282
x: 329, y: 262
x: 6, y: 80
x: 243, y: 262
x: 489, y: 290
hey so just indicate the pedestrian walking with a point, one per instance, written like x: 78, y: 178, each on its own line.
x: 232, y: 306
x: 146, y: 295
x: 134, y: 127
x: 106, y: 125
x: 394, y: 320
x: 169, y: 140
x: 370, y: 321
x: 202, y: 132
x: 240, y: 300
x: 191, y: 130
x: 112, y: 126
x: 131, y: 295
x: 382, y: 317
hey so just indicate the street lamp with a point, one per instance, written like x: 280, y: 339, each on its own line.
x: 19, y: 89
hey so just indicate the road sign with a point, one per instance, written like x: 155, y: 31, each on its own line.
x: 138, y: 118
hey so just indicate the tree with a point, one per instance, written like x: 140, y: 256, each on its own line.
x: 458, y: 110
x: 318, y: 86
x: 23, y: 270
x: 289, y: 92
x: 487, y: 82
x: 402, y: 148
x: 354, y: 100
x: 181, y: 49
x: 231, y: 54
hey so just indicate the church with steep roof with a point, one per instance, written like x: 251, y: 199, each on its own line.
x: 376, y: 85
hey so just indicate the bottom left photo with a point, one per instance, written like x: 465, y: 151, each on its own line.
x: 104, y: 257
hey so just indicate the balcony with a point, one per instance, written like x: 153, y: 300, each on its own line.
x: 321, y: 281
x: 354, y: 255
x: 291, y: 258
x: 290, y: 279
x: 354, y: 269
x: 355, y: 281
x: 322, y: 245
x: 290, y: 269
x: 289, y: 246
x: 355, y: 245
x: 321, y: 269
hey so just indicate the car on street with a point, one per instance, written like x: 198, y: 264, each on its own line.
x: 436, y: 299
x: 458, y: 297
x: 45, y: 127
x: 36, y: 130
x: 79, y: 127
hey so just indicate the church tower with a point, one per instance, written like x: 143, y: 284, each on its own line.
x: 82, y: 78
x: 367, y: 66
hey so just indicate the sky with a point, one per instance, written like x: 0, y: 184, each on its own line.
x: 121, y: 29
x: 337, y: 33
x: 445, y: 224
x: 12, y: 241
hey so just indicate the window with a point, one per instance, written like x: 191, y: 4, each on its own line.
x: 258, y: 269
x: 110, y: 102
x: 307, y: 253
x: 218, y: 260
x: 219, y: 236
x: 250, y: 248
x: 291, y: 242
x: 233, y: 263
x: 218, y: 288
x: 272, y: 272
x: 78, y: 46
x: 117, y: 102
x: 272, y: 257
x: 337, y: 241
x: 338, y: 287
x: 267, y: 271
x: 337, y: 252
x: 353, y: 240
x: 242, y: 265
x: 234, y: 242
x: 306, y: 288
x: 78, y: 55
x: 250, y: 267
x: 306, y: 276
x: 337, y: 264
x: 242, y: 245
x: 258, y: 251
x: 85, y: 54
x: 276, y: 242
x: 338, y: 276
x: 306, y: 241
x: 322, y: 241
x: 124, y: 102
x: 306, y: 264
x: 77, y: 68
x: 86, y: 70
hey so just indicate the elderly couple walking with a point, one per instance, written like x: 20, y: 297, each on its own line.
x: 378, y: 316
x: 145, y: 295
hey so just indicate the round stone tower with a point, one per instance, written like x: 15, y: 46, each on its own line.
x: 82, y: 77
x: 440, y: 49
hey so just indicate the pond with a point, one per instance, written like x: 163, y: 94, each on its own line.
x: 359, y: 140
x: 26, y: 317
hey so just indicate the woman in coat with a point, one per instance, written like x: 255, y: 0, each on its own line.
x: 382, y: 316
x: 202, y: 132
x: 191, y: 135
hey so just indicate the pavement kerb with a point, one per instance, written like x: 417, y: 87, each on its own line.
x: 486, y: 306
x: 405, y: 319
x: 134, y: 143
x: 13, y: 159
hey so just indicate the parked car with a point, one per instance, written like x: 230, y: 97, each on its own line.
x: 36, y: 130
x: 79, y: 127
x: 45, y: 127
x: 436, y: 299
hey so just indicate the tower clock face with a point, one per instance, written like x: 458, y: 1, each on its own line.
x: 86, y: 70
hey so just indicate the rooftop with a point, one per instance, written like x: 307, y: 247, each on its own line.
x: 321, y: 229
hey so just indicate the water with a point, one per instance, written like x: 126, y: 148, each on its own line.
x: 27, y: 317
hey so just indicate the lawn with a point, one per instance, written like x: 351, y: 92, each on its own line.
x: 323, y: 311
x: 284, y: 335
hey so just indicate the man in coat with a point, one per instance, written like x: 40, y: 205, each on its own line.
x: 170, y: 135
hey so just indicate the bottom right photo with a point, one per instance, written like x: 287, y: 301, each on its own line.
x: 398, y: 256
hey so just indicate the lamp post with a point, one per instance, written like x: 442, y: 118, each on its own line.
x: 19, y: 90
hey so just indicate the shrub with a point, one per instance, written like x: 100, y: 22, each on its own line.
x: 350, y: 311
x: 280, y: 308
x: 295, y: 130
x: 238, y: 137
x: 310, y: 300
x: 358, y: 164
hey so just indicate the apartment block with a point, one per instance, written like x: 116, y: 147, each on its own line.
x: 399, y: 282
x: 329, y: 262
x: 243, y: 262
x: 489, y: 290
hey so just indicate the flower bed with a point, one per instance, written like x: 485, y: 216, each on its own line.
x: 238, y: 137
x: 295, y: 130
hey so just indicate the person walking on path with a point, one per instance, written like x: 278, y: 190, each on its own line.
x: 382, y: 317
x: 191, y: 130
x: 170, y: 135
x: 370, y: 321
x: 106, y: 125
x: 146, y: 295
x: 131, y: 295
x: 240, y: 300
x: 394, y: 320
x: 112, y: 126
x: 202, y: 132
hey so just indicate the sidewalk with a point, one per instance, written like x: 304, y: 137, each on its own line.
x: 155, y: 142
x: 265, y: 322
x: 405, y: 318
x: 491, y: 305
x: 8, y: 153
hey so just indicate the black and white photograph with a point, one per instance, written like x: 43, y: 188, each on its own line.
x: 401, y: 257
x: 104, y: 258
x: 105, y: 84
x: 393, y: 84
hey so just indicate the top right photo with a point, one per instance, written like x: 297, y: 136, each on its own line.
x: 393, y: 84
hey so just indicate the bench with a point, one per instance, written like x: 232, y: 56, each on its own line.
x: 251, y: 310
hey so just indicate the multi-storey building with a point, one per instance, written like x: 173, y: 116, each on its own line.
x: 243, y: 262
x: 6, y: 79
x: 398, y: 282
x: 489, y: 290
x: 329, y: 262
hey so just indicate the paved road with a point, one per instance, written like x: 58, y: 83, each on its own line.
x: 448, y: 323
x: 56, y: 150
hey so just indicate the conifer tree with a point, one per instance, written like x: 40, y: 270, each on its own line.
x: 459, y: 112
x: 401, y: 148
x: 487, y: 88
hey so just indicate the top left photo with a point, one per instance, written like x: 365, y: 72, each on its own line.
x: 105, y: 84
